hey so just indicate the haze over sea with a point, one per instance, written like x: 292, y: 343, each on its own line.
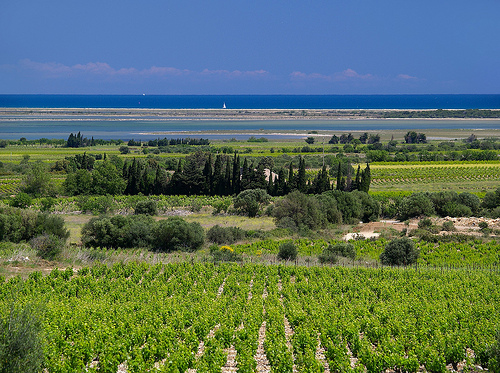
x: 147, y: 128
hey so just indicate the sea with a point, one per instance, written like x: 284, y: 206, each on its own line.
x: 149, y: 128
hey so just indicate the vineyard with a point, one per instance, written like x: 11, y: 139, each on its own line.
x: 434, y: 173
x: 448, y: 254
x: 246, y: 318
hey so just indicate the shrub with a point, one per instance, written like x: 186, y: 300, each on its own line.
x: 21, y: 342
x: 118, y: 231
x: 46, y: 204
x: 303, y: 210
x: 449, y: 226
x: 225, y: 235
x: 400, y: 251
x: 287, y: 251
x: 250, y: 201
x: 124, y: 149
x: 176, y: 234
x: 221, y: 205
x: 21, y: 200
x: 47, y: 246
x: 418, y: 204
x: 147, y: 207
x: 224, y: 254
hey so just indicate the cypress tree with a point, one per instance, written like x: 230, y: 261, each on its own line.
x: 235, y: 180
x: 301, y: 176
x: 218, y: 180
x: 357, y: 180
x: 291, y: 179
x: 207, y: 176
x: 339, y: 177
x: 365, y: 179
x: 227, y: 178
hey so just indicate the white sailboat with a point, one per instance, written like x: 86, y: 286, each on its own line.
x: 224, y: 106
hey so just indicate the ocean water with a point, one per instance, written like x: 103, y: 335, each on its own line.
x: 144, y: 128
x: 254, y: 101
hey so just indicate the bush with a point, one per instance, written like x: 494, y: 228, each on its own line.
x: 287, y: 251
x: 21, y: 200
x: 331, y: 253
x: 118, y: 231
x: 418, y: 204
x: 146, y: 207
x: 225, y: 235
x: 21, y: 342
x: 47, y: 246
x: 176, y: 234
x: 224, y: 254
x: 302, y: 210
x: 399, y: 252
x: 46, y: 204
x: 449, y: 226
x: 250, y: 201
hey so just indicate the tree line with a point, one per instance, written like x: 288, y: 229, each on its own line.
x: 201, y: 174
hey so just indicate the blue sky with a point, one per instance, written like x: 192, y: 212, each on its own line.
x: 249, y: 47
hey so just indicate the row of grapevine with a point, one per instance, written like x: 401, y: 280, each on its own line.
x: 186, y: 317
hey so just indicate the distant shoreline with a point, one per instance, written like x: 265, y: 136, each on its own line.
x: 27, y: 114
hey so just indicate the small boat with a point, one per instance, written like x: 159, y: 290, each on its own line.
x: 224, y: 106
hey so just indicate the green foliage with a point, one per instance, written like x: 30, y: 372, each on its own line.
x: 38, y: 181
x: 302, y: 210
x: 250, y: 201
x: 418, y: 204
x: 225, y: 235
x: 449, y: 226
x: 47, y: 246
x: 146, y: 207
x: 224, y: 254
x: 331, y: 253
x: 21, y: 341
x: 221, y: 205
x: 176, y: 234
x: 399, y: 252
x: 47, y: 204
x: 19, y: 224
x: 287, y: 251
x: 21, y: 200
x: 119, y: 231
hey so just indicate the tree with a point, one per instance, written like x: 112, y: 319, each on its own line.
x: 287, y: 251
x: 250, y: 201
x: 399, y: 252
x: 301, y: 210
x: 418, y: 204
x: 310, y: 140
x: 38, y: 181
x: 106, y: 179
x: 175, y: 233
x: 334, y: 140
x: 366, y: 178
x: 77, y: 183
